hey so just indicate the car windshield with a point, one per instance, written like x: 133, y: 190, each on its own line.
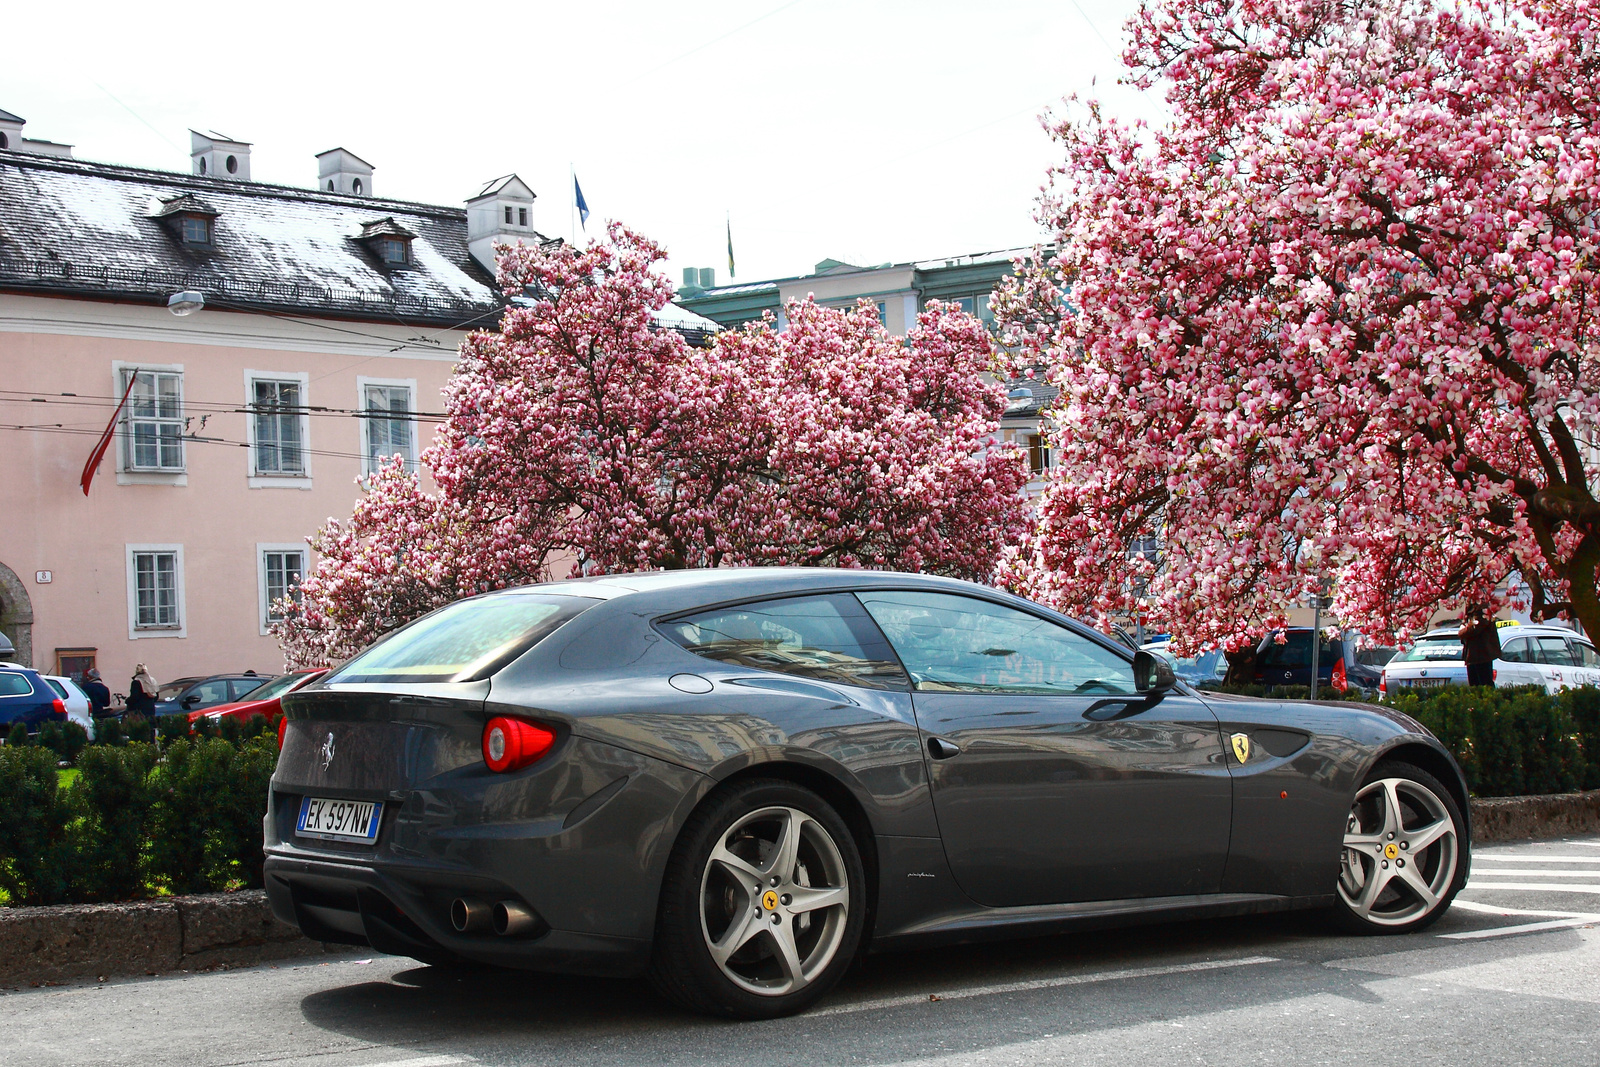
x: 1429, y: 649
x: 465, y: 641
x: 275, y: 687
x: 1376, y: 656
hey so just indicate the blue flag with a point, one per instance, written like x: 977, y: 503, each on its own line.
x: 583, y: 207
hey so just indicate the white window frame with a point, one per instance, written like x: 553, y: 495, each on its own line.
x: 264, y: 602
x: 126, y: 475
x: 135, y: 631
x: 272, y: 479
x: 368, y: 468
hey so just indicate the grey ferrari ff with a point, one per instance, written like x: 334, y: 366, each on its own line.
x: 736, y: 780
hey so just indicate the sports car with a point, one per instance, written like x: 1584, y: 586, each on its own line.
x: 735, y: 780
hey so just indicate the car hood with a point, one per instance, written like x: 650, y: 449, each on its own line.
x: 237, y: 705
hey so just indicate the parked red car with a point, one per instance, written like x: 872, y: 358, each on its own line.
x: 263, y: 701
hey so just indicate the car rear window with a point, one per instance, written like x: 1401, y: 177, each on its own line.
x: 61, y: 690
x: 464, y: 641
x: 1429, y: 649
x: 14, y: 685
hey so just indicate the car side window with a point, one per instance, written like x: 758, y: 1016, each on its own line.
x: 954, y: 643
x: 1587, y: 654
x: 1295, y: 651
x: 1516, y: 651
x: 1554, y: 650
x: 829, y: 638
x: 212, y: 692
x: 238, y: 687
x: 14, y: 685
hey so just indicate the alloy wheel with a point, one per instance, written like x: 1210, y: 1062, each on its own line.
x: 1400, y: 852
x: 774, y: 901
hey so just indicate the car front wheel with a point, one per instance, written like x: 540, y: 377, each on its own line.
x: 1405, y: 853
x: 763, y: 904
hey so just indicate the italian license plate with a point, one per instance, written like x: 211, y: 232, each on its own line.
x: 1423, y: 683
x: 339, y: 820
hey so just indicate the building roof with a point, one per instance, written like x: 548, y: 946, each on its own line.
x: 347, y: 152
x: 940, y: 279
x: 1039, y: 395
x: 6, y: 116
x: 90, y: 229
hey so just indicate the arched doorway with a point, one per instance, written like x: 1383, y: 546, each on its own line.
x: 16, y: 614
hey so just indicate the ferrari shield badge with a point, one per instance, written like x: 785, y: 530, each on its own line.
x: 1241, y: 746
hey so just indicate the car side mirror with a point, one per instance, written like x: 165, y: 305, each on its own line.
x: 190, y: 701
x: 1152, y: 673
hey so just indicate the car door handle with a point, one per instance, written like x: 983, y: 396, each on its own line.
x: 939, y: 748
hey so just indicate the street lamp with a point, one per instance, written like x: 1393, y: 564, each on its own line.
x: 186, y: 302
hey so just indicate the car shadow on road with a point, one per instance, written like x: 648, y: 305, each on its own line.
x: 465, y: 1007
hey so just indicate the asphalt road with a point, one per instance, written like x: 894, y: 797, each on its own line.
x: 1510, y: 976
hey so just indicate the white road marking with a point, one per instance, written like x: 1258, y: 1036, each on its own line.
x: 1041, y: 983
x: 1528, y: 857
x: 1551, y: 887
x: 1525, y: 928
x: 1501, y: 872
x: 419, y: 1061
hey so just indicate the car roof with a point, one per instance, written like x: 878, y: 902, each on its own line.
x: 734, y: 583
x: 1517, y: 629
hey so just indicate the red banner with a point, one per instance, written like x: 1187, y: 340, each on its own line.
x: 105, y: 439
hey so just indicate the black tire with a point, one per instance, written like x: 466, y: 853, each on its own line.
x: 698, y: 894
x: 1377, y: 847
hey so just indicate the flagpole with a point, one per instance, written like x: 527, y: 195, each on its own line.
x: 572, y: 219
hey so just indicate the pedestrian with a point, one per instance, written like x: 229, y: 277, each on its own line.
x: 99, y: 696
x: 142, y: 692
x: 1480, y: 645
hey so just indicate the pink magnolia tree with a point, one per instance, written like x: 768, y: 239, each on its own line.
x: 1335, y: 322
x: 584, y: 434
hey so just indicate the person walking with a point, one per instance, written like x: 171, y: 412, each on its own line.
x: 99, y: 696
x: 1480, y: 645
x: 142, y: 692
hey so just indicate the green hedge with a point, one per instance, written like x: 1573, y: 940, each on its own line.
x: 1517, y: 741
x: 137, y: 821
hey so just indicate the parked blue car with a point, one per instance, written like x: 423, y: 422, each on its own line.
x: 26, y: 697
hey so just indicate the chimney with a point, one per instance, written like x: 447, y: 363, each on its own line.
x: 216, y: 155
x: 502, y: 212
x: 11, y: 139
x: 340, y: 170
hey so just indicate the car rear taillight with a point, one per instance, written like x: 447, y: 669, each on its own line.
x: 60, y: 707
x: 511, y: 744
x: 283, y: 724
x: 1383, y: 684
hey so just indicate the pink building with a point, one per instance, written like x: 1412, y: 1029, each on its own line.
x: 325, y: 324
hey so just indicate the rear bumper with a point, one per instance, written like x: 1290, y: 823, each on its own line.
x: 407, y: 913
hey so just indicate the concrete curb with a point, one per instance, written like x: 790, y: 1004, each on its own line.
x: 41, y: 945
x: 1497, y: 819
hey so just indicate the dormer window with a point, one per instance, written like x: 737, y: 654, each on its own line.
x: 522, y: 216
x: 389, y: 241
x: 191, y: 220
x: 195, y: 230
x: 508, y: 216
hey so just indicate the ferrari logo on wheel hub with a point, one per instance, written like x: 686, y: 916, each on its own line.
x: 1241, y: 746
x: 769, y: 900
x: 1391, y: 850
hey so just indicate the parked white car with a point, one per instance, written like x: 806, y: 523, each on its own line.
x: 1552, y: 656
x: 76, y: 700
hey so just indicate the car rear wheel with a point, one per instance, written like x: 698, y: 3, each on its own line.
x: 763, y: 903
x: 1405, y: 853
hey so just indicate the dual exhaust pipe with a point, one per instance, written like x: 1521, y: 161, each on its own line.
x: 507, y: 918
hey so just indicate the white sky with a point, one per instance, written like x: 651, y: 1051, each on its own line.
x: 868, y: 132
